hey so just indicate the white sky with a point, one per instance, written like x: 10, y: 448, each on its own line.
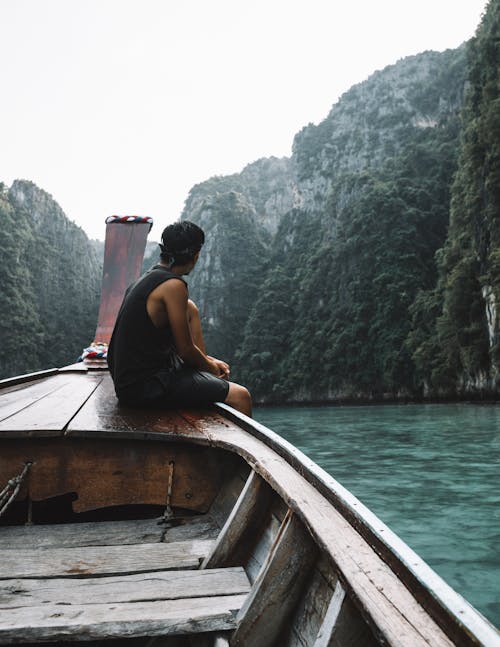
x: 120, y: 106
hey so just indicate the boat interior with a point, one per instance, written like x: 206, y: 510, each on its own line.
x: 166, y: 528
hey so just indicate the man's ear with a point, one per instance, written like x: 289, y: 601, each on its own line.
x: 196, y: 257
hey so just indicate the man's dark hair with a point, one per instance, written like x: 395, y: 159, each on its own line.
x: 180, y: 242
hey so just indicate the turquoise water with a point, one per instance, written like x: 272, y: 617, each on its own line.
x: 430, y: 472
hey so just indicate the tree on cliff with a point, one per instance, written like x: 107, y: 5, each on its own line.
x: 461, y: 348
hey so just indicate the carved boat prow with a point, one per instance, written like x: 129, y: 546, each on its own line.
x: 193, y: 527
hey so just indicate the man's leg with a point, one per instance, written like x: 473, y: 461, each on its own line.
x: 239, y: 398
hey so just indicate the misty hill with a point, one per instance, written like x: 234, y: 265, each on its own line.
x: 330, y: 274
x: 50, y: 281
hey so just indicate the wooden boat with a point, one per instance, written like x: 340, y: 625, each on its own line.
x: 183, y: 527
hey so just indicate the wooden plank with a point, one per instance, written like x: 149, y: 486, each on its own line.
x: 107, y: 473
x: 51, y: 413
x: 28, y: 377
x: 103, y: 413
x: 460, y: 621
x: 313, y: 605
x: 20, y: 396
x: 160, y: 585
x: 79, y: 367
x: 277, y: 589
x: 345, y: 626
x: 264, y: 542
x: 388, y: 605
x: 241, y: 525
x: 108, y: 533
x: 103, y: 621
x: 226, y: 498
x: 102, y: 560
x: 325, y: 633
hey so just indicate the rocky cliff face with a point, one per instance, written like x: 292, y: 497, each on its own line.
x: 336, y: 241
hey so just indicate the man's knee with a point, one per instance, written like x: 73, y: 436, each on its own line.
x: 239, y: 397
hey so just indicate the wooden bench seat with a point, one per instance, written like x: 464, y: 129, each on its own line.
x: 108, y: 533
x: 151, y: 604
x: 102, y: 560
x: 102, y: 589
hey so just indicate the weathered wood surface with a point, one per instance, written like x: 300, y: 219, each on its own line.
x: 462, y: 623
x: 102, y: 560
x: 390, y: 607
x: 276, y: 591
x: 265, y: 538
x: 350, y: 628
x: 108, y: 533
x: 325, y: 633
x: 102, y: 413
x: 28, y: 377
x: 161, y: 585
x: 107, y: 473
x: 313, y: 605
x: 226, y: 498
x: 241, y: 524
x: 50, y: 411
x: 117, y: 620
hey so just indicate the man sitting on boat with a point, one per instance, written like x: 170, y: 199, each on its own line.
x: 157, y: 354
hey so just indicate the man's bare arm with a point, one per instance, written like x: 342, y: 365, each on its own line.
x: 175, y: 298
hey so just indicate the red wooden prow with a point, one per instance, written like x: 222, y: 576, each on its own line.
x: 123, y: 255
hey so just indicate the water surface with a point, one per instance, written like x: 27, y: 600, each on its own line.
x: 430, y: 472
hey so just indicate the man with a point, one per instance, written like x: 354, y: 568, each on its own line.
x: 157, y: 354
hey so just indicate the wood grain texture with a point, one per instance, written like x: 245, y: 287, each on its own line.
x: 327, y: 629
x: 28, y: 377
x: 241, y: 525
x: 313, y: 605
x: 101, y: 560
x: 276, y: 591
x: 460, y: 621
x: 386, y: 603
x: 103, y: 414
x: 103, y: 621
x: 108, y: 533
x: 50, y: 413
x: 161, y: 585
x: 107, y: 473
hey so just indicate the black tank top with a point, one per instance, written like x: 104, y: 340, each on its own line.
x: 137, y: 349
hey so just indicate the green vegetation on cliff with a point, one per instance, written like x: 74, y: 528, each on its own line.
x: 49, y: 279
x: 461, y: 348
x: 366, y: 211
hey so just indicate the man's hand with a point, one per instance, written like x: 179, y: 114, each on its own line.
x: 221, y: 369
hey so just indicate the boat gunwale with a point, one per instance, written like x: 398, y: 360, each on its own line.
x: 457, y: 614
x: 453, y: 613
x: 28, y: 377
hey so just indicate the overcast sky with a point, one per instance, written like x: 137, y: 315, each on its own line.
x: 121, y: 106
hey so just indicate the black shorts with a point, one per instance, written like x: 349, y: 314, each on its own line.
x: 185, y: 387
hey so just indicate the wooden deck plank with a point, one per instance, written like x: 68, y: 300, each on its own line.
x: 160, y: 585
x: 243, y: 520
x: 19, y: 396
x: 50, y: 413
x: 102, y: 413
x: 108, y: 533
x: 103, y: 621
x: 388, y: 605
x: 102, y: 560
x: 276, y: 591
